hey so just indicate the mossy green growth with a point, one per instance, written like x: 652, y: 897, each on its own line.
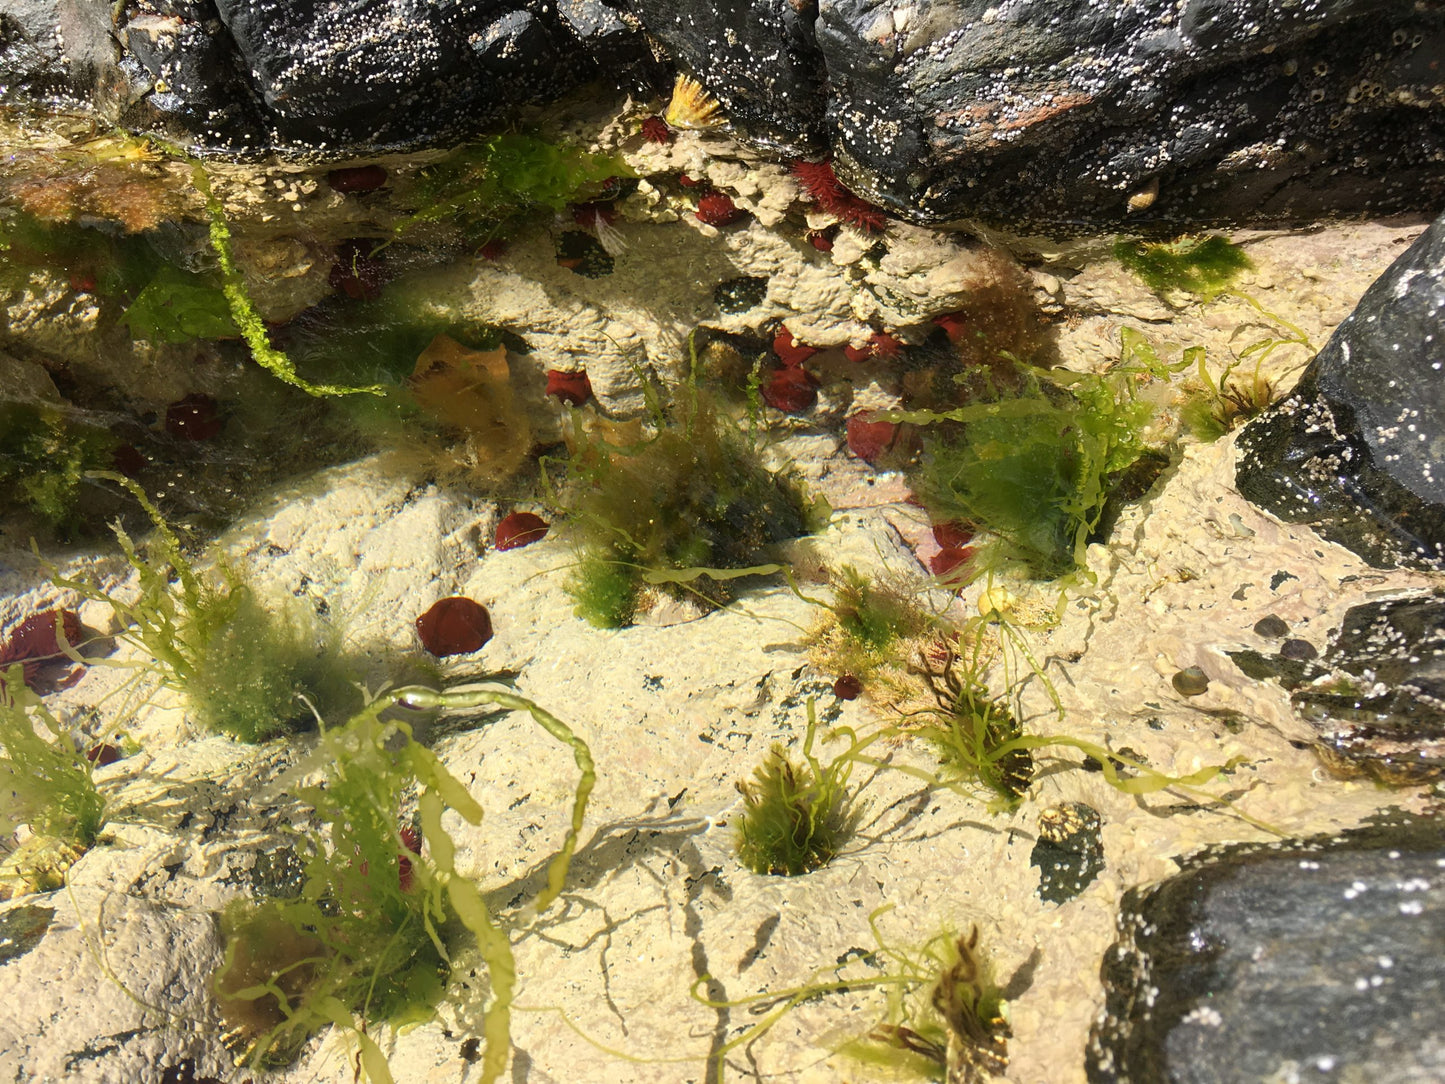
x: 363, y: 940
x: 797, y: 817
x: 684, y: 510
x: 1032, y: 459
x: 873, y: 616
x: 110, y: 265
x: 978, y: 740
x: 44, y: 456
x: 605, y: 590
x: 45, y: 783
x: 1205, y: 266
x: 244, y: 669
x: 484, y: 185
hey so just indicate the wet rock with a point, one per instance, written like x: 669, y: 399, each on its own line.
x: 58, y: 54
x: 1069, y: 115
x: 1379, y: 699
x: 1309, y: 961
x: 187, y: 73
x: 1354, y: 450
x: 757, y: 57
x: 306, y: 76
x: 1069, y: 853
x: 1290, y: 673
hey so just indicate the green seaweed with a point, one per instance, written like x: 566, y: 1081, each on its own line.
x: 946, y: 1018
x: 1206, y: 266
x: 244, y: 669
x: 485, y: 185
x: 243, y: 312
x: 365, y: 941
x: 112, y: 266
x: 796, y: 817
x: 1033, y: 458
x: 677, y: 511
x: 177, y: 306
x: 45, y: 783
x: 45, y: 454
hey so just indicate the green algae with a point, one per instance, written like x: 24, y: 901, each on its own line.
x: 244, y: 669
x: 1204, y: 266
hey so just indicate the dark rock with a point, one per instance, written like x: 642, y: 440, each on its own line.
x: 355, y: 77
x: 740, y: 294
x: 59, y: 54
x: 757, y: 57
x: 1354, y: 450
x: 178, y: 51
x: 1069, y: 853
x: 1313, y: 961
x: 1290, y: 673
x: 1068, y: 114
x: 1379, y: 703
x: 1271, y: 627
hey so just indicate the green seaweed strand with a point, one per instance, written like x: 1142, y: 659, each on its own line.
x: 419, y: 697
x: 244, y: 313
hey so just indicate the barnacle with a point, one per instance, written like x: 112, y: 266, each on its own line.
x: 692, y: 107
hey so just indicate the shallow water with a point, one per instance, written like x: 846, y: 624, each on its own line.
x: 663, y: 957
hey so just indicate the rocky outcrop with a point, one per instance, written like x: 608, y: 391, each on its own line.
x: 1060, y: 117
x: 1376, y: 697
x: 1354, y: 450
x: 1311, y: 961
x: 1145, y: 116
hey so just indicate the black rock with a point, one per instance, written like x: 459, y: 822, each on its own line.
x: 757, y: 57
x: 1355, y: 451
x: 1314, y: 961
x: 1068, y: 115
x: 1380, y: 708
x: 1290, y: 673
x: 350, y: 77
x: 194, y: 76
x: 59, y: 55
x: 1069, y: 853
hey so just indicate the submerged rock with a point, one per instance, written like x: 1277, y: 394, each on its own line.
x: 1381, y: 707
x: 1354, y: 450
x: 1311, y: 961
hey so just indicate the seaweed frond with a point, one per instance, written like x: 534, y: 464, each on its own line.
x: 797, y: 817
x: 45, y: 784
